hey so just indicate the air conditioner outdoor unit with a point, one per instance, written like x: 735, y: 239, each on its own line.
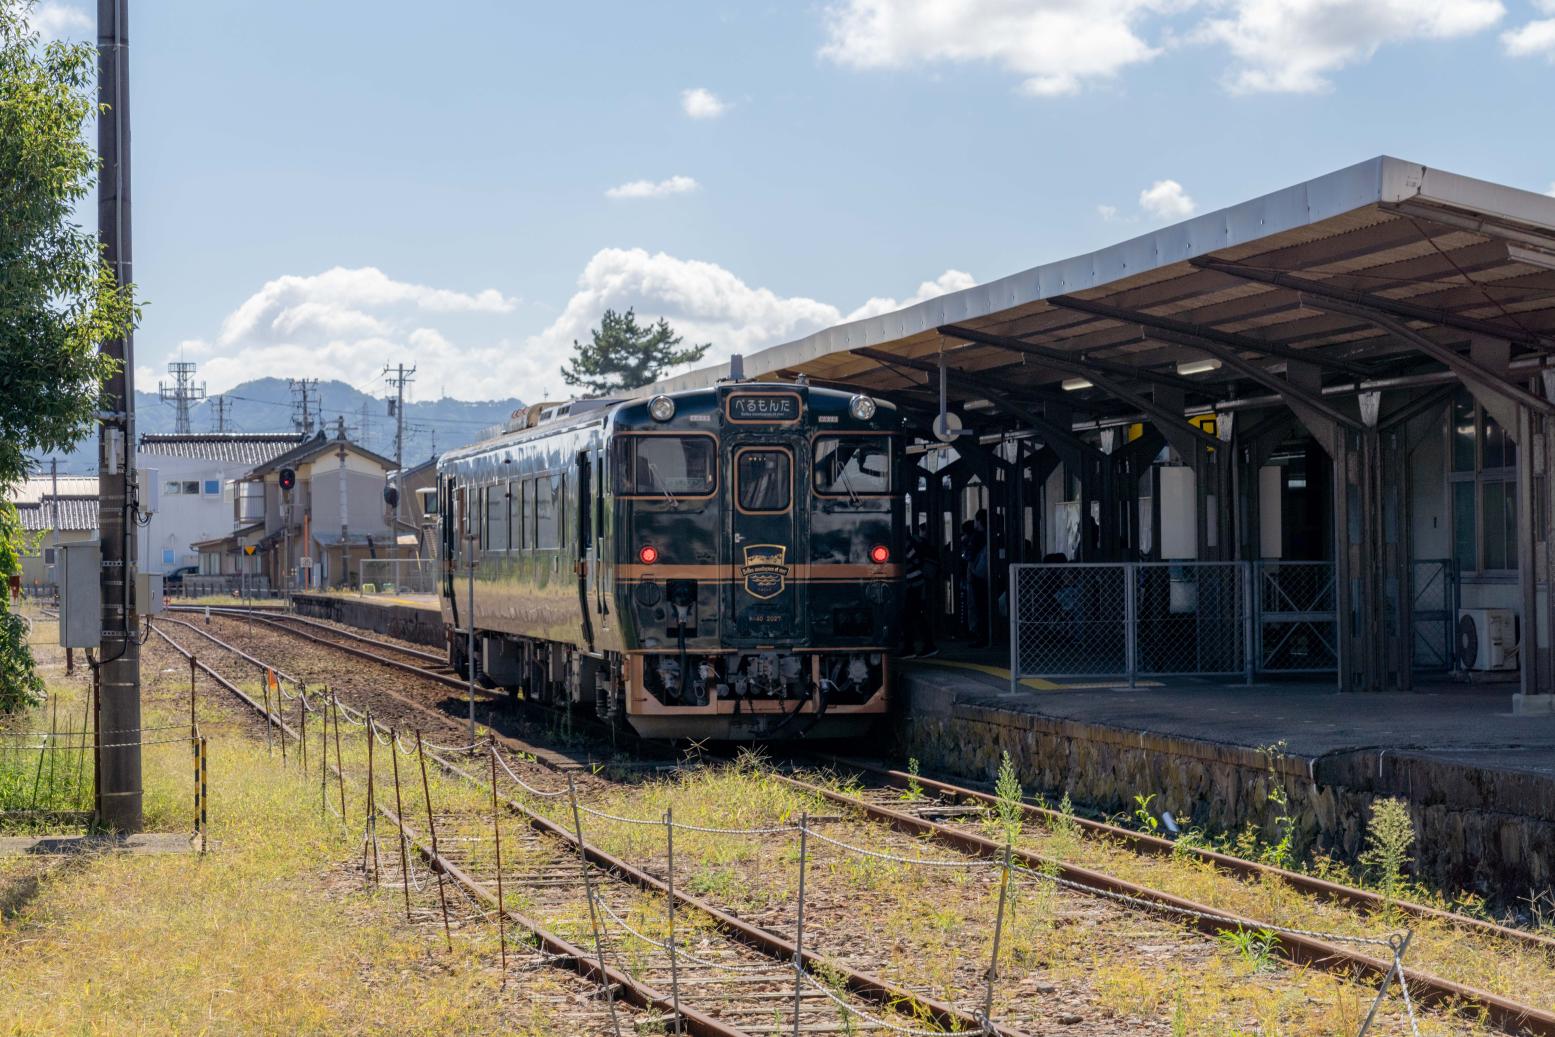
x: 1487, y: 639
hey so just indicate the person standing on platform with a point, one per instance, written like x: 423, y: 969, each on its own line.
x: 918, y: 626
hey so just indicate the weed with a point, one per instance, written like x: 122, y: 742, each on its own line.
x: 1389, y: 835
x: 914, y: 791
x: 1278, y: 854
x: 1253, y: 946
x: 1010, y: 806
x: 1147, y: 821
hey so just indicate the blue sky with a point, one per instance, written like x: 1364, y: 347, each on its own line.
x: 323, y: 188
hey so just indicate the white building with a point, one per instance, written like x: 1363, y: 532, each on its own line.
x: 195, y: 476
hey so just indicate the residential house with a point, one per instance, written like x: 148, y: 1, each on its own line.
x: 53, y: 513
x: 333, y: 518
x: 195, y: 476
x: 409, y: 482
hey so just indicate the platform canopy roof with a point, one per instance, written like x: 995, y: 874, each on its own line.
x: 1383, y: 270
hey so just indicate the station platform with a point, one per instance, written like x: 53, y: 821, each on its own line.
x: 410, y: 617
x: 1480, y: 781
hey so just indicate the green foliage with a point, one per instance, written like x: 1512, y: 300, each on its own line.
x: 1278, y: 854
x: 1254, y: 946
x: 624, y: 355
x: 1389, y: 835
x: 57, y: 298
x: 1148, y: 822
x: 914, y: 791
x: 1010, y: 799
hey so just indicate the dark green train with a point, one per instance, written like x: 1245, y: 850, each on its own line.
x: 720, y: 563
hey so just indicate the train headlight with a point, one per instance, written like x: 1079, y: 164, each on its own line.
x: 661, y: 408
x: 648, y: 554
x: 880, y: 554
x: 861, y: 407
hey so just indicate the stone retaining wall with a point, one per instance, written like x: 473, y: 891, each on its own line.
x: 406, y: 622
x: 1486, y: 830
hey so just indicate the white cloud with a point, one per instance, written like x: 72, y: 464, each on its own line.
x: 652, y: 189
x: 1292, y: 45
x: 56, y: 20
x: 1055, y: 46
x: 1535, y: 38
x: 1166, y: 200
x: 949, y: 281
x: 1108, y: 213
x: 700, y: 103
x: 1551, y: 191
x: 1060, y: 46
x: 347, y: 324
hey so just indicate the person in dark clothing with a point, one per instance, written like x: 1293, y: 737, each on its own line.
x: 918, y: 626
x: 974, y: 558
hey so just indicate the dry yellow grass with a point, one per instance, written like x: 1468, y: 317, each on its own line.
x: 270, y: 933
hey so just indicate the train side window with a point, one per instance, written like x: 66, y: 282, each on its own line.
x: 515, y: 516
x: 846, y: 466
x: 545, y: 513
x: 496, y: 519
x: 651, y: 466
x: 765, y: 479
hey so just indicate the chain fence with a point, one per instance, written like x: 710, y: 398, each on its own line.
x: 390, y: 576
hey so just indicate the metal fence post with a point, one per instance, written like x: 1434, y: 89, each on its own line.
x: 399, y: 817
x: 264, y: 679
x: 340, y: 762
x: 437, y: 857
x: 1014, y: 600
x: 1130, y: 622
x: 804, y: 832
x: 998, y: 934
x: 496, y: 834
x: 588, y: 891
x: 669, y: 847
x: 1248, y: 603
x: 371, y: 809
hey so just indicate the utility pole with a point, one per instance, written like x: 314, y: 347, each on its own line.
x: 219, y: 409
x: 182, y: 393
x: 118, y: 752
x: 398, y: 379
x: 345, y: 543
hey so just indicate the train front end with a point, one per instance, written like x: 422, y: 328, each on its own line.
x: 758, y: 560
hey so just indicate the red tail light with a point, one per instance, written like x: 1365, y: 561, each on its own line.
x: 648, y: 554
x: 880, y: 554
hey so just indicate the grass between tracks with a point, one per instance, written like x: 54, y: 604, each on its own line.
x: 1065, y: 958
x: 270, y: 932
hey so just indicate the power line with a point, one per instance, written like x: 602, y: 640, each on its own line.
x: 219, y: 407
x: 305, y: 401
x: 397, y: 381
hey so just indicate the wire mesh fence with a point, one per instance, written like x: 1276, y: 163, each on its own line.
x: 397, y: 576
x: 1131, y: 619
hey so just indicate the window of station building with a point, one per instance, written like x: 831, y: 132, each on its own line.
x: 846, y: 466
x: 651, y: 466
x: 213, y: 487
x: 1482, y: 477
x: 765, y: 479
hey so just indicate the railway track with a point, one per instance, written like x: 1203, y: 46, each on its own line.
x: 884, y: 805
x: 748, y: 971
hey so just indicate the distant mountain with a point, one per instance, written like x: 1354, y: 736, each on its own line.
x: 267, y: 405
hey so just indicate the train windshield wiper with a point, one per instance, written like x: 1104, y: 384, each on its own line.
x: 842, y: 477
x: 653, y: 469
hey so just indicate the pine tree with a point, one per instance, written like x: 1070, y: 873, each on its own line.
x: 623, y: 355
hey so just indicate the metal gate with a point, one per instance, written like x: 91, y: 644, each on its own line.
x: 1433, y: 614
x: 1297, y: 624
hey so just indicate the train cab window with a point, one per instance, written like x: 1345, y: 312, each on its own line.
x: 764, y: 478
x: 547, y: 514
x: 652, y: 466
x: 515, y: 516
x: 846, y: 466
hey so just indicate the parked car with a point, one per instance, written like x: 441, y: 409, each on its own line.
x: 173, y: 582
